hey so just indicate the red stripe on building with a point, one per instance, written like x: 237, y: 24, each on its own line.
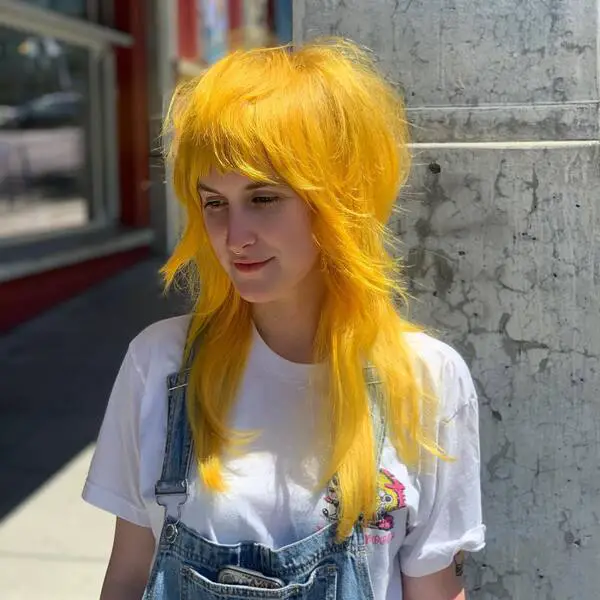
x: 133, y: 114
x: 187, y: 29
x: 23, y: 298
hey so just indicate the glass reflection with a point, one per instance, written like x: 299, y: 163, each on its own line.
x: 44, y: 174
x: 71, y: 8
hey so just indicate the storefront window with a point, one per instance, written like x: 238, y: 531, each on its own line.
x: 45, y: 178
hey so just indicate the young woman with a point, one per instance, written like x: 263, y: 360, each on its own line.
x: 294, y: 437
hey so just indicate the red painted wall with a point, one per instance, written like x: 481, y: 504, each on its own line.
x: 236, y: 15
x: 21, y: 299
x: 187, y: 29
x: 133, y: 114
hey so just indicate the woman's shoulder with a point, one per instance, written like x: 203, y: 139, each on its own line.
x: 433, y: 351
x: 160, y: 344
x: 440, y: 365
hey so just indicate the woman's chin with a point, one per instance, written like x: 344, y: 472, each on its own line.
x: 257, y: 294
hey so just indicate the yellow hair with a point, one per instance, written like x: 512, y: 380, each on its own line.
x: 321, y: 119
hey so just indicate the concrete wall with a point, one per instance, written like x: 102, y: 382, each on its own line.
x: 501, y: 241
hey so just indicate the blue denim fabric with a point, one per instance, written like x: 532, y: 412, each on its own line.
x: 186, y: 564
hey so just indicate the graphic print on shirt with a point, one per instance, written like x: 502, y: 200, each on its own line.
x: 390, y: 497
x: 330, y: 512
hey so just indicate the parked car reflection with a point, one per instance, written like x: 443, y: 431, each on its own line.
x: 42, y: 161
x: 58, y: 109
x: 45, y: 150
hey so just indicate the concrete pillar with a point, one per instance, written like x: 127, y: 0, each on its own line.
x: 501, y: 242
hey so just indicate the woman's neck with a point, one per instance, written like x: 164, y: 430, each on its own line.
x: 288, y: 326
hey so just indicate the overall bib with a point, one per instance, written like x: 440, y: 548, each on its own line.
x: 187, y: 565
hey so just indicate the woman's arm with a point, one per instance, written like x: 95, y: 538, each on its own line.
x: 130, y: 562
x: 443, y: 585
x: 448, y: 520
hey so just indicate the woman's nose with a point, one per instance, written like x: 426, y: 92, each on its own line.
x: 240, y: 235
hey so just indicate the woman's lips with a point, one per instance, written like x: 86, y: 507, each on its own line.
x: 250, y: 267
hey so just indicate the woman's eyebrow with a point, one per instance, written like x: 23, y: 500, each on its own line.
x: 205, y: 188
x: 253, y: 185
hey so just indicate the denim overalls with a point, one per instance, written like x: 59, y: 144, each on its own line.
x: 186, y: 565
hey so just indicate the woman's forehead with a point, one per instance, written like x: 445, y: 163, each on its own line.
x: 235, y: 180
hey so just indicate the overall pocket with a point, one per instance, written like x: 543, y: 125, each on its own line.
x: 321, y: 585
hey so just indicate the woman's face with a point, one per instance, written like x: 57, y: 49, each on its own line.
x: 261, y: 234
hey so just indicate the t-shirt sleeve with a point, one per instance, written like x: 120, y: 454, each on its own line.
x: 449, y: 517
x: 112, y: 483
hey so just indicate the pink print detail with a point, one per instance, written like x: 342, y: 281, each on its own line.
x: 385, y: 523
x: 377, y: 539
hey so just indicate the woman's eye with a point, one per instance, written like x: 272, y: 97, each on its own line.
x: 212, y: 203
x: 265, y: 199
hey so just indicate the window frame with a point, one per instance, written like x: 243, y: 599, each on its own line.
x: 45, y: 22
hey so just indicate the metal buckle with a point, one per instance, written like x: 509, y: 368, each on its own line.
x: 171, y: 532
x: 171, y: 488
x: 168, y: 493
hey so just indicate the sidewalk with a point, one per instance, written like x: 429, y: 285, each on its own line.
x: 54, y: 546
x: 55, y: 376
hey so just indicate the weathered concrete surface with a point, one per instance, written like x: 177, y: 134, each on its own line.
x: 501, y: 239
x: 497, y: 64
x: 519, y: 122
x: 461, y: 52
x: 500, y: 248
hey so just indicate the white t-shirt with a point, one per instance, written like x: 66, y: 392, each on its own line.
x: 271, y: 498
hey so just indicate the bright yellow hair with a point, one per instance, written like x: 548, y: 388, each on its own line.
x: 321, y: 119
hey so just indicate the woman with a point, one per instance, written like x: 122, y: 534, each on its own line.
x: 309, y: 442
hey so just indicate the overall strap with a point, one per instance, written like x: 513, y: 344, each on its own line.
x: 378, y: 420
x: 171, y: 490
x: 378, y: 416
